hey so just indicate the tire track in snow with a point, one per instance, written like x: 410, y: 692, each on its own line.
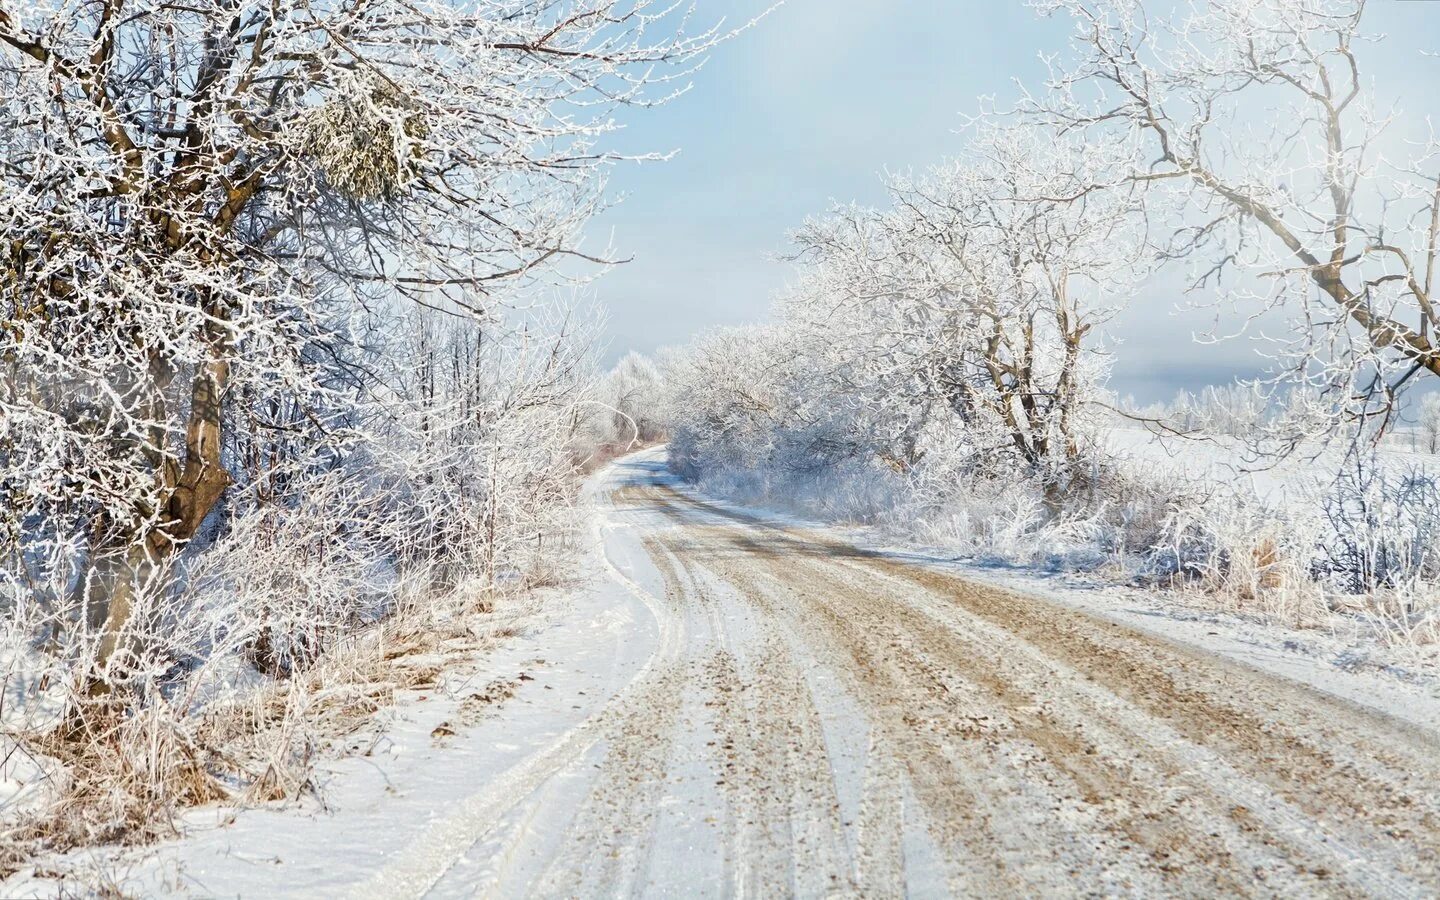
x: 1045, y: 750
x: 769, y: 752
x: 1360, y: 776
x: 605, y: 847
x: 938, y: 731
x: 1084, y: 757
x: 428, y: 857
x: 1184, y: 850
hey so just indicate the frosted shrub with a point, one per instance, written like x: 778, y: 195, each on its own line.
x: 992, y: 506
x: 991, y: 520
x: 1248, y: 558
x: 954, y: 500
x: 1406, y: 616
x: 290, y: 580
x: 1385, y: 528
x: 1380, y: 550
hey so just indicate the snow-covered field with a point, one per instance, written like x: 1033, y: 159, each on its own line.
x: 1228, y: 463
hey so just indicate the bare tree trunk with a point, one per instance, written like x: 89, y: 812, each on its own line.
x: 131, y: 563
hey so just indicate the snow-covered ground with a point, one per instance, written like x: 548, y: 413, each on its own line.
x: 428, y: 773
x: 1227, y: 462
x: 1345, y: 661
x: 582, y: 756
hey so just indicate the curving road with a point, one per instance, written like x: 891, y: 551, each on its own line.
x: 816, y: 720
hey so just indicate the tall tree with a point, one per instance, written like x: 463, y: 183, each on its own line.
x: 198, y: 200
x: 1253, y: 124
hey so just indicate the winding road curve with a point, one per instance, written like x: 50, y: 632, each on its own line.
x: 817, y: 720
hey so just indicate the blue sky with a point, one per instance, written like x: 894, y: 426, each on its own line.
x: 812, y: 106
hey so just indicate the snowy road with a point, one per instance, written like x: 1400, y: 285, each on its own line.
x: 738, y: 706
x: 815, y: 720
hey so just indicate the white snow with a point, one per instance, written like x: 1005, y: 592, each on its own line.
x: 406, y: 814
x: 402, y: 807
x: 1348, y: 665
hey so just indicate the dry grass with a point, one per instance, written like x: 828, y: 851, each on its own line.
x: 122, y: 774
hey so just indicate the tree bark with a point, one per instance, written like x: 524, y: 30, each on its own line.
x: 131, y: 563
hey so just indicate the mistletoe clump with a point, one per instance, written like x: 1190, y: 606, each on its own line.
x: 367, y: 140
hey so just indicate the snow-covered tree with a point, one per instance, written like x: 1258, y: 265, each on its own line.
x: 1427, y: 423
x: 976, y: 293
x: 630, y: 396
x: 1256, y: 129
x: 209, y: 211
x: 727, y: 398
